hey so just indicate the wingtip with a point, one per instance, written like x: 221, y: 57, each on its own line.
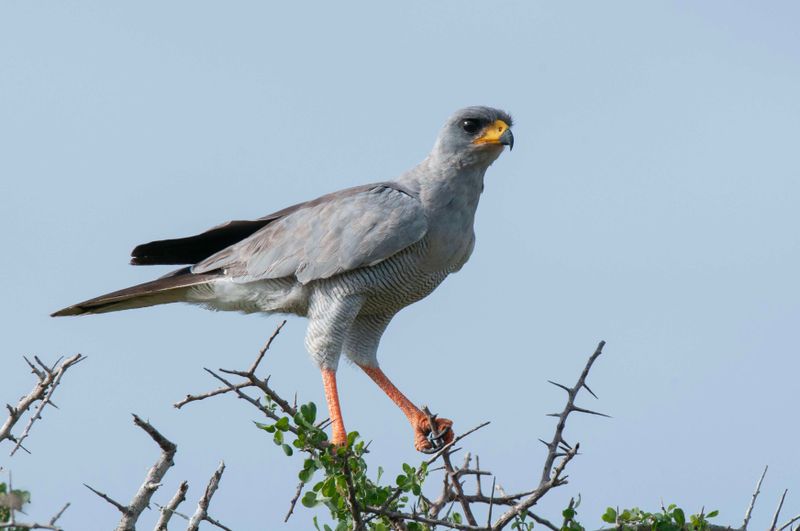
x: 69, y: 311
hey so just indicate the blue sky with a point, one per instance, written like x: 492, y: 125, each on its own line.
x: 651, y: 200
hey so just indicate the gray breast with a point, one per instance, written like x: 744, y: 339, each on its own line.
x: 390, y: 285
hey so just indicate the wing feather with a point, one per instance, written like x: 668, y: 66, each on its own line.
x: 326, y: 238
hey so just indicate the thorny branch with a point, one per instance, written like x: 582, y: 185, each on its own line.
x: 431, y: 512
x: 169, y: 509
x: 749, y: 511
x: 141, y: 500
x: 48, y: 379
x: 518, y: 505
x: 774, y: 525
x: 201, y: 513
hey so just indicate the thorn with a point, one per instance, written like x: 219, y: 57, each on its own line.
x: 553, y: 415
x: 589, y: 411
x: 547, y: 444
x: 565, y: 443
x: 590, y: 391
x: 564, y: 387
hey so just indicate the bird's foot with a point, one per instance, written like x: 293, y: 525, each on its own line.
x: 427, y: 440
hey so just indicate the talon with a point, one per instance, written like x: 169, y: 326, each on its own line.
x: 427, y: 441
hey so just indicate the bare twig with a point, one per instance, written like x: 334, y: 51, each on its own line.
x: 209, y: 394
x: 201, y: 513
x: 242, y: 385
x: 48, y: 380
x: 545, y: 522
x: 778, y: 511
x: 132, y: 511
x: 169, y: 509
x: 55, y: 517
x: 789, y: 523
x: 294, y: 501
x: 263, y: 351
x: 24, y: 525
x: 556, y: 448
x: 422, y: 519
x: 572, y: 393
x: 749, y: 511
x: 456, y: 482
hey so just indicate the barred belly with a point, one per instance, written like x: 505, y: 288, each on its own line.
x: 388, y: 286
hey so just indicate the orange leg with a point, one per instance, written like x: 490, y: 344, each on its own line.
x: 339, y: 435
x: 418, y: 419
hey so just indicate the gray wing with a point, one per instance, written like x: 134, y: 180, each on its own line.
x: 326, y: 238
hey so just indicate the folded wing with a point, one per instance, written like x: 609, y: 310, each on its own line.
x: 322, y: 238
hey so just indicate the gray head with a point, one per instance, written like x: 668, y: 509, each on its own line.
x: 475, y: 135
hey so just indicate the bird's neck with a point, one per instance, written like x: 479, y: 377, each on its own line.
x: 447, y: 183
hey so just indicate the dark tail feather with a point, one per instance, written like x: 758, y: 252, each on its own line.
x: 170, y: 288
x: 196, y: 248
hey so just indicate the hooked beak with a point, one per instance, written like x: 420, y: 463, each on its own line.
x: 507, y: 139
x: 497, y: 133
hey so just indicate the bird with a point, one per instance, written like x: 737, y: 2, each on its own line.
x: 348, y: 261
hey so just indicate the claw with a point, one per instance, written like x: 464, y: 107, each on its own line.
x: 429, y: 441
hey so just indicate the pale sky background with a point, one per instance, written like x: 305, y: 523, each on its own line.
x: 651, y: 200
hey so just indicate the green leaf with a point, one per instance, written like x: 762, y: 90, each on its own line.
x: 309, y: 412
x: 278, y: 438
x: 287, y: 449
x: 568, y: 513
x: 610, y: 516
x: 283, y: 424
x: 712, y: 514
x: 266, y: 427
x: 305, y: 475
x: 456, y: 517
x: 679, y: 517
x: 329, y: 487
x: 300, y: 420
x: 309, y: 499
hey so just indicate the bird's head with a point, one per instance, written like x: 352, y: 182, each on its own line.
x: 475, y: 135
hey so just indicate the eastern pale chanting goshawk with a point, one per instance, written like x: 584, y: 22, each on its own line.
x: 348, y: 261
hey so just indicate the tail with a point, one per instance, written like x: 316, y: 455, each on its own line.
x: 170, y: 288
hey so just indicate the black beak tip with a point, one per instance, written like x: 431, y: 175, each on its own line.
x: 507, y: 139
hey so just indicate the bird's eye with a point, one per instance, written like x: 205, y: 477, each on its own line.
x: 471, y: 126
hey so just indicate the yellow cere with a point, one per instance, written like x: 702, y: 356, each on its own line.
x: 492, y: 133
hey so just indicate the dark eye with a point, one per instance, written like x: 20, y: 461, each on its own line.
x: 471, y: 126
